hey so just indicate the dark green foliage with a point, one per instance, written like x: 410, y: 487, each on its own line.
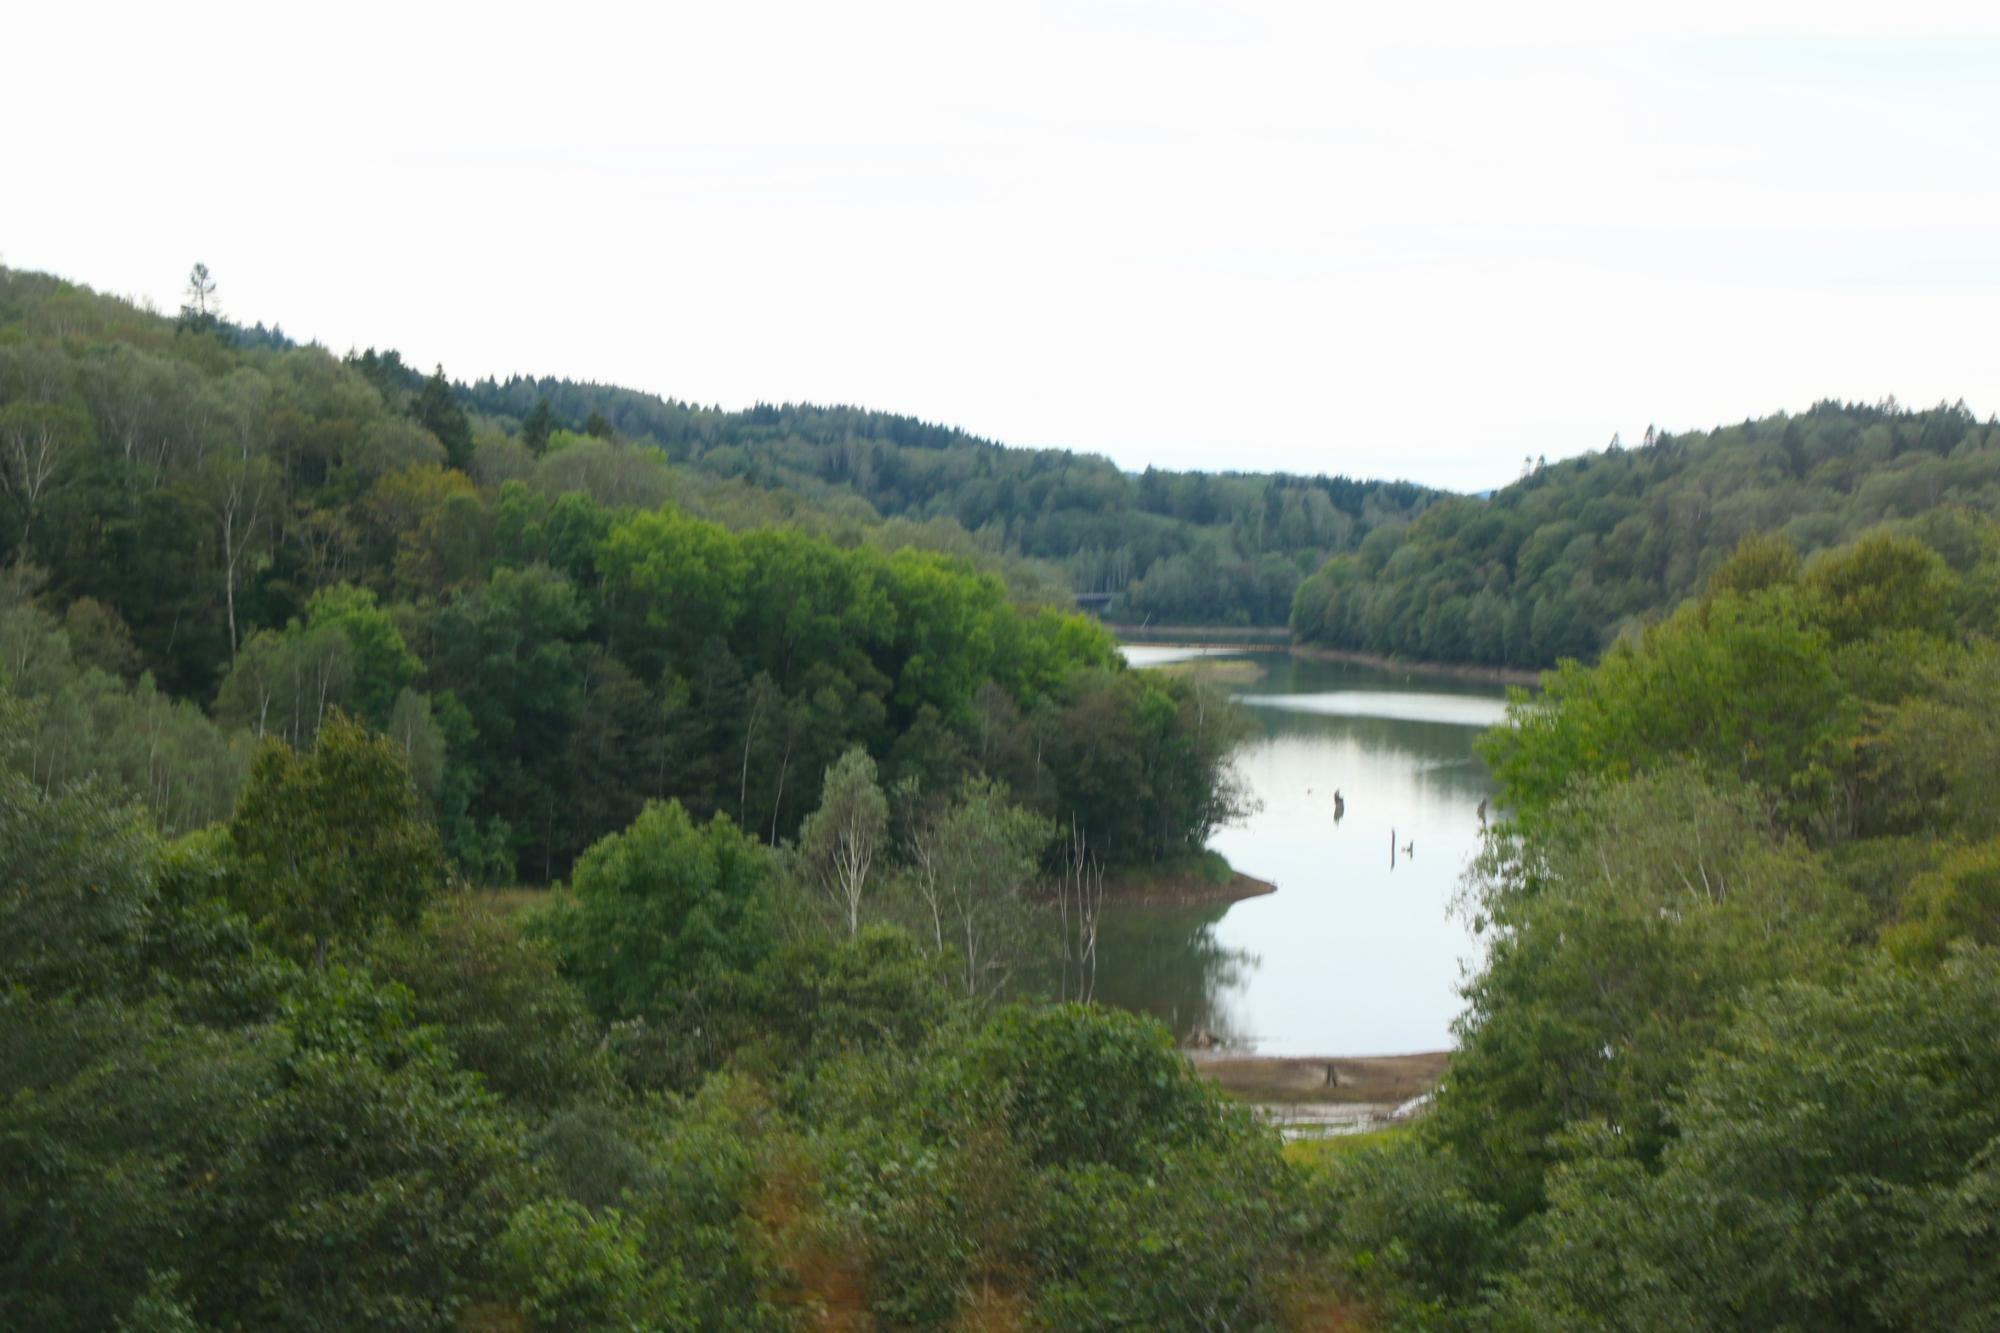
x: 1197, y: 1242
x: 79, y: 887
x: 1560, y: 563
x: 1730, y: 1059
x: 815, y: 997
x: 329, y: 844
x: 323, y: 1165
x: 437, y: 410
x: 1081, y: 1085
x: 1834, y: 1171
x: 1408, y: 1230
x: 552, y: 629
x: 383, y: 1176
x: 1618, y: 947
x: 1175, y: 548
x: 496, y: 998
x: 537, y: 426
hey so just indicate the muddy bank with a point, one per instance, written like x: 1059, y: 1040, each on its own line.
x: 1323, y: 1080
x: 1318, y: 1097
x: 1204, y: 636
x: 1215, y: 670
x: 1445, y: 670
x: 1192, y: 887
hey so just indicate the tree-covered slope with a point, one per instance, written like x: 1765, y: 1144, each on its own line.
x: 1729, y: 1060
x: 211, y: 537
x: 1174, y: 547
x: 1559, y: 563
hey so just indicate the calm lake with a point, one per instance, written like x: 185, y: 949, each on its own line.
x: 1356, y: 953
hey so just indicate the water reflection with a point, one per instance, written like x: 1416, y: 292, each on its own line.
x: 1356, y: 953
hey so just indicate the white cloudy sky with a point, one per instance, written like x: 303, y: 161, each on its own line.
x: 1410, y: 240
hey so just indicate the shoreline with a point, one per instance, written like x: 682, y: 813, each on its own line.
x: 1252, y: 638
x: 1314, y: 1098
x: 1203, y: 636
x: 1322, y: 1080
x: 1529, y: 679
x: 1182, y: 888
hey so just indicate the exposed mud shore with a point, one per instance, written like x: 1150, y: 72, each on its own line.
x: 1313, y: 1097
x: 1447, y: 670
x: 1183, y: 888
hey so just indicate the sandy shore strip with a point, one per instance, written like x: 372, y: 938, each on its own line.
x: 1315, y: 1096
x: 1182, y: 888
x: 1443, y: 670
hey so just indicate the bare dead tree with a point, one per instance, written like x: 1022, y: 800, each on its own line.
x: 1080, y: 905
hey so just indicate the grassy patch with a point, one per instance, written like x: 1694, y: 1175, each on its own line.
x: 1318, y: 1152
x: 506, y: 902
x: 1216, y: 670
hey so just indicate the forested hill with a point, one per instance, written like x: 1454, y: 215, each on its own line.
x: 212, y: 537
x: 1174, y: 547
x: 1559, y: 563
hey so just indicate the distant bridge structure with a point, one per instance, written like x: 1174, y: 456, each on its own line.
x: 1097, y: 603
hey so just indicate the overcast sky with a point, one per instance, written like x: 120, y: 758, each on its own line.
x: 1386, y: 240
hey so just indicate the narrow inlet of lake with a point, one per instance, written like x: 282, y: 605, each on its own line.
x: 1358, y: 952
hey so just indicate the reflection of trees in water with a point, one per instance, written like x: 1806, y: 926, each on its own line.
x: 1286, y: 674
x: 1166, y: 961
x: 1375, y: 735
x: 1436, y: 756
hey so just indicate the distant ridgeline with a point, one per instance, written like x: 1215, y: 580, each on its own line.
x: 211, y: 535
x: 1558, y: 564
x: 1170, y: 547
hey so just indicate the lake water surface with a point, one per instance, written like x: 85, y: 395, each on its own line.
x: 1355, y: 954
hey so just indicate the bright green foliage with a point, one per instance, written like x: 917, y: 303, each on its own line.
x: 1958, y: 900
x: 1176, y: 548
x: 576, y: 1271
x: 1746, y: 687
x: 972, y: 863
x: 274, y: 533
x: 662, y: 913
x: 382, y: 662
x: 1931, y: 760
x: 841, y: 840
x: 1670, y: 1094
x: 1760, y: 561
x: 330, y: 843
x: 1880, y: 584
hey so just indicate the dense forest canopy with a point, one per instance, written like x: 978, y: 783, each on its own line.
x: 1173, y: 547
x: 556, y: 629
x: 1575, y: 553
x: 295, y: 647
x: 1732, y: 1059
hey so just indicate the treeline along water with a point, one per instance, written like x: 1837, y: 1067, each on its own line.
x: 1358, y: 952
